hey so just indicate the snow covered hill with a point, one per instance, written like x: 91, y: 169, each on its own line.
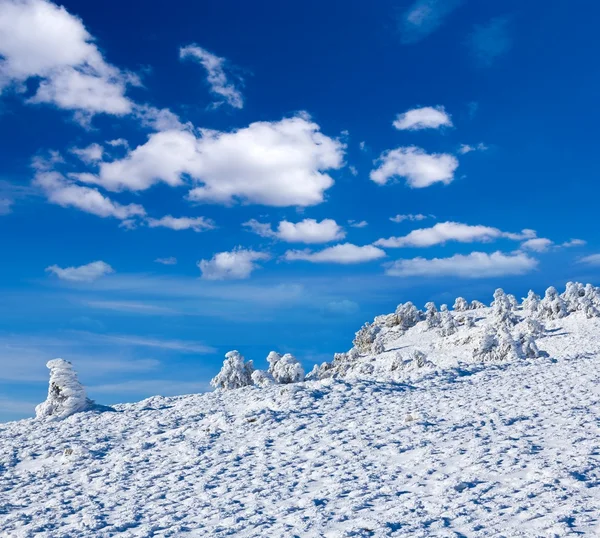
x: 472, y: 422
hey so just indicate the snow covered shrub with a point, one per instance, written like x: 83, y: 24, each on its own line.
x: 514, y: 304
x: 408, y: 315
x: 476, y: 305
x: 66, y: 394
x: 365, y: 337
x: 486, y: 347
x: 447, y: 324
x: 419, y: 359
x: 508, y: 348
x: 502, y: 307
x: 432, y: 316
x: 262, y: 379
x: 528, y: 346
x: 534, y: 328
x: 531, y: 303
x: 416, y: 360
x: 273, y: 358
x: 377, y: 347
x: 578, y: 297
x: 464, y: 321
x: 287, y: 370
x: 552, y: 305
x: 235, y: 373
x: 444, y: 308
x: 460, y: 305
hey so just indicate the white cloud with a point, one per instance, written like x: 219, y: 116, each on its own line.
x: 574, y: 243
x: 306, y: 231
x: 423, y: 118
x: 593, y: 259
x: 198, y: 224
x: 118, y: 142
x: 411, y: 217
x: 451, y: 231
x: 60, y: 191
x: 346, y: 253
x: 272, y: 163
x: 490, y: 41
x: 167, y: 261
x: 235, y: 265
x: 142, y: 341
x: 420, y: 169
x: 358, y: 224
x: 474, y: 265
x: 217, y: 78
x: 90, y: 154
x: 353, y: 170
x: 466, y: 148
x: 84, y: 273
x: 537, y: 244
x: 423, y: 17
x: 39, y: 39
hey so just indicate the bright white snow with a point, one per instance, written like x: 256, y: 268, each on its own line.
x: 424, y: 438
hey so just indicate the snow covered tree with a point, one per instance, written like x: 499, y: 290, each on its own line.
x: 460, y: 305
x: 514, y: 304
x: 273, y: 358
x: 262, y: 379
x: 475, y: 305
x: 528, y: 345
x: 288, y: 370
x: 365, y: 337
x: 377, y: 347
x: 408, y: 315
x: 235, y: 373
x: 502, y: 308
x: 508, y: 348
x: 552, y: 305
x: 432, y: 316
x: 486, y: 347
x: 66, y: 394
x: 447, y: 324
x: 531, y: 303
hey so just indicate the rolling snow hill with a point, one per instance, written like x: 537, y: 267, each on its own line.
x: 472, y: 422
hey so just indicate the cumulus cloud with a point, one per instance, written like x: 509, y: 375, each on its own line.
x: 235, y: 265
x: 452, y: 231
x: 490, y: 41
x: 474, y: 265
x: 280, y: 163
x: 216, y: 76
x: 345, y: 253
x: 466, y: 148
x: 411, y: 217
x: 198, y: 224
x: 306, y: 231
x: 167, y: 261
x: 90, y: 154
x: 537, y: 244
x: 358, y: 223
x: 424, y: 17
x: 574, y: 243
x: 423, y: 118
x: 420, y: 169
x: 42, y: 41
x: 593, y: 259
x: 64, y: 193
x: 84, y: 273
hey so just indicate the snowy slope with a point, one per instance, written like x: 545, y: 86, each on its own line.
x: 456, y: 448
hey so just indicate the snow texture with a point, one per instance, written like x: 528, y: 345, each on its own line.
x: 470, y: 434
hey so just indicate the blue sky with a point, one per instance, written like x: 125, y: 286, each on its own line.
x: 179, y: 183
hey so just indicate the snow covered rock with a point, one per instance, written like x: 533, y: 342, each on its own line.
x: 235, y: 372
x: 66, y: 395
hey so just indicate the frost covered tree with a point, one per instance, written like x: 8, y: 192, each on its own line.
x: 508, y: 348
x: 66, y: 394
x: 475, y: 305
x: 365, y: 337
x: 502, y: 307
x: 235, y: 372
x: 514, y: 304
x: 262, y: 379
x: 531, y: 303
x: 552, y: 305
x: 432, y: 316
x: 578, y: 297
x: 460, y: 305
x: 447, y: 324
x: 377, y: 347
x: 408, y: 315
x: 287, y: 370
x: 272, y: 359
x: 486, y: 347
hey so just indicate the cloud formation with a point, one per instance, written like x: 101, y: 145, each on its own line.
x: 235, y: 265
x: 411, y: 217
x: 474, y: 265
x: 83, y: 273
x: 345, y: 253
x: 216, y: 76
x: 418, y: 168
x: 451, y: 231
x: 423, y: 118
x: 306, y: 231
x: 424, y: 17
x: 197, y: 224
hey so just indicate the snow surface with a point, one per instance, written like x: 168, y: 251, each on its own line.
x: 450, y: 447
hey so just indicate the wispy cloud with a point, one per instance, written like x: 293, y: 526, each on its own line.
x: 490, y: 41
x: 424, y: 17
x: 142, y: 341
x: 83, y: 273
